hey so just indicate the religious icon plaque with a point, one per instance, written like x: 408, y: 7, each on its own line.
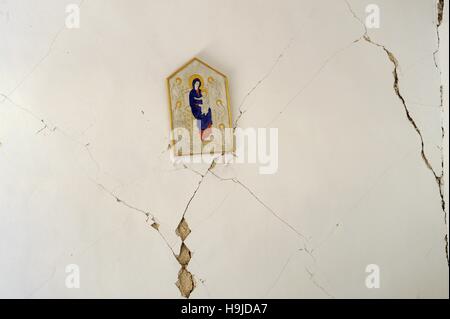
x: 200, y: 115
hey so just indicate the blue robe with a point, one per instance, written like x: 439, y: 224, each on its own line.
x: 195, y: 102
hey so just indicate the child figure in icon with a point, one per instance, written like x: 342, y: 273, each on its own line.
x: 200, y: 110
x: 200, y: 115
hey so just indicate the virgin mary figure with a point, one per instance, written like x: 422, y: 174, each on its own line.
x: 200, y: 110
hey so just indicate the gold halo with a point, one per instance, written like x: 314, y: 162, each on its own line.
x: 178, y: 104
x: 210, y: 79
x: 219, y: 102
x: 198, y: 76
x: 178, y: 80
x: 222, y: 126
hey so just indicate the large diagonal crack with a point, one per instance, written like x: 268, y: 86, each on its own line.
x: 186, y: 281
x: 309, y: 82
x: 277, y: 279
x: 150, y: 218
x: 53, y: 128
x: 439, y: 17
x: 316, y: 283
x: 305, y: 248
x: 45, y: 124
x: 37, y: 64
x: 439, y: 178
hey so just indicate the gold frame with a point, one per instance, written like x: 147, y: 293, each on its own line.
x: 227, y: 92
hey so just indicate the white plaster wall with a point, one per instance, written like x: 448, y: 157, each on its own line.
x: 84, y: 129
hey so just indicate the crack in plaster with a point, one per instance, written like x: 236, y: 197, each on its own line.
x: 40, y: 61
x: 310, y: 273
x: 309, y: 82
x: 52, y: 128
x: 314, y: 281
x: 277, y: 216
x: 186, y: 281
x: 440, y: 13
x: 439, y: 178
x: 46, y: 125
x: 280, y: 274
x: 272, y: 68
x: 149, y: 216
x: 34, y: 68
x: 42, y: 284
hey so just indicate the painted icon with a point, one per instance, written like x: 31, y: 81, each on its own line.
x: 200, y: 113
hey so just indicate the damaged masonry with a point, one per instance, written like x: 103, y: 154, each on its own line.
x: 316, y: 164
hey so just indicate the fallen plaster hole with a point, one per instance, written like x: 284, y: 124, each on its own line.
x: 186, y: 282
x: 185, y: 255
x: 155, y: 225
x: 440, y: 12
x: 394, y: 61
x: 183, y: 229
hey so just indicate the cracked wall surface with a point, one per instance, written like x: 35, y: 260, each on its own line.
x: 86, y: 176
